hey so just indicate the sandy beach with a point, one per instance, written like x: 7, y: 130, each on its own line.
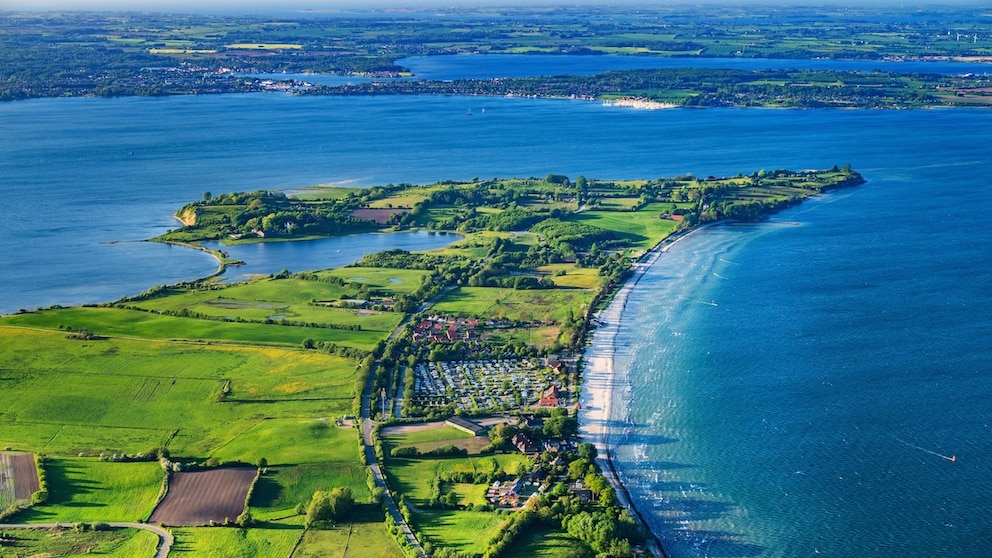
x: 600, y: 380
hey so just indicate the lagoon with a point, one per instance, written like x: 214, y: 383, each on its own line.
x: 786, y: 419
x: 265, y: 258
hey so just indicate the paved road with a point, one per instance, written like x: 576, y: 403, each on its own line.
x: 165, y: 539
x: 367, y: 426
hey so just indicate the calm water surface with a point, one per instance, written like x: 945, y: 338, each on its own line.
x: 794, y: 387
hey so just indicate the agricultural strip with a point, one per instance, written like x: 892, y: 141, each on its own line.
x: 18, y: 477
x: 203, y: 497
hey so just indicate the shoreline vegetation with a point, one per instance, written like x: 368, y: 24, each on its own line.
x: 274, y: 371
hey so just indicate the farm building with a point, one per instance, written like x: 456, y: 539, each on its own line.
x: 464, y: 425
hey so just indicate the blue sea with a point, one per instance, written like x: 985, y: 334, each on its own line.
x: 797, y: 387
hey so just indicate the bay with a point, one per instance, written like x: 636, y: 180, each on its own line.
x: 793, y: 386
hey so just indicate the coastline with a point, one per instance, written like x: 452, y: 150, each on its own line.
x: 599, y: 380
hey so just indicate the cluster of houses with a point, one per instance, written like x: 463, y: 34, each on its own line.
x: 445, y: 329
x: 485, y: 384
x: 512, y: 494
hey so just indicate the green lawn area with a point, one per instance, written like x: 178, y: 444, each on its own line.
x: 617, y: 204
x: 440, y: 434
x: 467, y: 493
x: 87, y: 489
x: 574, y: 277
x: 407, y: 200
x: 295, y: 302
x: 63, y: 396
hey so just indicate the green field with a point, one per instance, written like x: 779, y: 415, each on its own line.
x: 365, y: 536
x: 54, y: 543
x: 225, y: 542
x: 283, y: 487
x: 303, y: 455
x: 511, y: 304
x: 291, y: 442
x: 428, y: 436
x: 151, y: 325
x: 87, y: 489
x: 128, y: 395
x: 644, y: 228
x: 542, y: 543
x: 468, y: 532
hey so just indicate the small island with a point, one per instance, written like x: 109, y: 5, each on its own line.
x: 415, y: 403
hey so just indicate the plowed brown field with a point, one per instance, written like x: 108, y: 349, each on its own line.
x: 199, y: 497
x: 18, y: 469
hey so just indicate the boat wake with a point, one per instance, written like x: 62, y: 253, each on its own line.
x: 951, y: 458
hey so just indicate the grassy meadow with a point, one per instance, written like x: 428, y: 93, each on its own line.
x: 643, y: 228
x: 468, y: 532
x: 150, y: 325
x: 54, y: 543
x: 364, y: 536
x: 511, y: 304
x: 88, y: 490
x: 113, y: 395
x: 224, y: 542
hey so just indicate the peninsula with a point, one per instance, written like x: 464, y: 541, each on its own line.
x: 462, y: 367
